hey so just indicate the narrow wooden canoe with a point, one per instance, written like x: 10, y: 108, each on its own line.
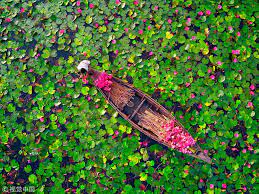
x: 141, y: 111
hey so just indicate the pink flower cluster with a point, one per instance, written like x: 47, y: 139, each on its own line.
x: 178, y: 137
x: 104, y: 81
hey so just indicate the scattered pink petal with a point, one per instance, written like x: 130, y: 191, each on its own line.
x: 208, y: 12
x: 91, y: 6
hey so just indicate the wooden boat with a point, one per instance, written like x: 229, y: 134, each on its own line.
x: 140, y: 110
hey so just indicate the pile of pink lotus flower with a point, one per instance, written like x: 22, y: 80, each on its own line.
x: 104, y: 81
x: 179, y: 138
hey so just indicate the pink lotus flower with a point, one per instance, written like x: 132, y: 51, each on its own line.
x: 211, y: 186
x: 150, y: 53
x: 236, y: 135
x: 149, y: 27
x: 117, y: 2
x: 116, y: 132
x: 113, y: 41
x: 244, y: 151
x: 79, y: 10
x: 192, y: 95
x: 209, y: 70
x: 176, y: 11
x: 238, y: 34
x: 201, y: 181
x: 52, y: 134
x: 78, y: 3
x: 250, y: 104
x: 224, y: 186
x: 189, y: 20
x: 97, y: 106
x: 235, y: 60
x: 252, y: 87
x: 140, y: 31
x: 42, y: 119
x: 169, y: 21
x: 187, y: 84
x: 200, y: 106
x: 61, y: 32
x: 22, y: 10
x: 96, y: 25
x: 200, y: 13
x: 104, y: 81
x: 156, y: 8
x: 8, y: 19
x: 215, y: 48
x: 135, y: 2
x: 88, y: 98
x: 126, y: 29
x: 230, y: 28
x: 205, y: 151
x: 219, y: 62
x: 212, y: 77
x: 252, y: 93
x: 116, y: 52
x: 144, y: 20
x: 91, y: 6
x: 179, y: 138
x: 208, y: 12
x: 219, y: 6
x: 193, y: 37
x: 186, y: 28
x: 235, y: 52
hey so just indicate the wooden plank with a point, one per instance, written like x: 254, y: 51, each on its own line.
x: 135, y: 112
